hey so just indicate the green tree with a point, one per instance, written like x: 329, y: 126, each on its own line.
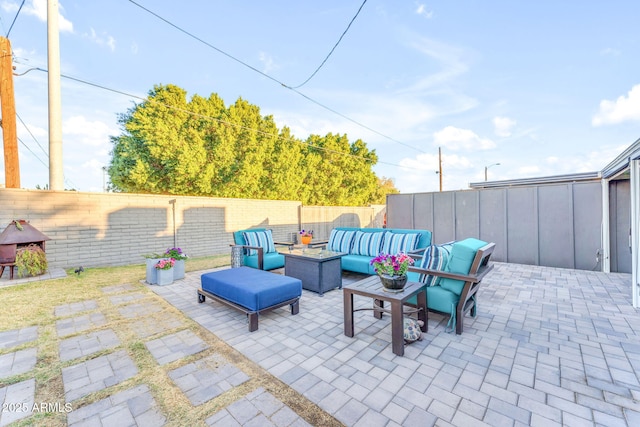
x: 170, y: 145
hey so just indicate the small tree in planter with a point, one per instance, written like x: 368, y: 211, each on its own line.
x: 31, y: 260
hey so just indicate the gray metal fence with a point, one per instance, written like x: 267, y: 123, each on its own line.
x: 550, y: 225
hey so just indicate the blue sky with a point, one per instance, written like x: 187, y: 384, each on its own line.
x: 543, y: 88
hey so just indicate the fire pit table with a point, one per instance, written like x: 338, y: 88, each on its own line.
x: 319, y: 269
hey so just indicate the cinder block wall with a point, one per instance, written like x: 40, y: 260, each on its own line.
x: 105, y: 229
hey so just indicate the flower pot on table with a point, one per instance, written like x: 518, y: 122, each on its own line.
x: 393, y: 283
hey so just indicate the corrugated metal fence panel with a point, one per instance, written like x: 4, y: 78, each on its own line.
x: 423, y: 211
x: 467, y: 213
x: 555, y: 225
x: 401, y: 210
x: 587, y: 212
x: 522, y: 225
x: 493, y: 220
x: 443, y: 217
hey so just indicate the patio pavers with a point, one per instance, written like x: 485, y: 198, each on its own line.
x: 17, y: 401
x: 175, y: 346
x: 16, y: 337
x: 74, y: 325
x: 549, y: 346
x: 18, y: 362
x: 75, y: 308
x: 132, y: 407
x: 207, y: 378
x: 84, y: 345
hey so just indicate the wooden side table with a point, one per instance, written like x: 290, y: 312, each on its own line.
x: 372, y: 288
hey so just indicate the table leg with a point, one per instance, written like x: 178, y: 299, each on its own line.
x: 423, y: 314
x: 397, y: 328
x: 377, y: 303
x: 348, y: 312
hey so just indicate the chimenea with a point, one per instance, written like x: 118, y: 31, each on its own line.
x: 17, y: 234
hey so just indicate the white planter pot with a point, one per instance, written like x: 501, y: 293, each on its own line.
x: 152, y: 275
x: 178, y: 269
x: 165, y: 277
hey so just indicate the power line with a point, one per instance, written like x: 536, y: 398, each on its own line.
x: 274, y: 79
x: 334, y: 48
x: 16, y: 17
x: 204, y: 116
x: 30, y: 133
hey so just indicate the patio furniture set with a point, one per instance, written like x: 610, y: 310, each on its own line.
x: 446, y: 277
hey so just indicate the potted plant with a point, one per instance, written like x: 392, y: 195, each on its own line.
x: 164, y: 269
x: 179, y: 257
x: 306, y: 236
x: 392, y: 270
x: 31, y: 260
x: 151, y: 276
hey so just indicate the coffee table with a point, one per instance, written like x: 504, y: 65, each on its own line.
x: 319, y: 269
x: 372, y: 288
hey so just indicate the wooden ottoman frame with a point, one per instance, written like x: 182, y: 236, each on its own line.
x: 253, y: 315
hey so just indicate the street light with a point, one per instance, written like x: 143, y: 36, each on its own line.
x: 487, y: 167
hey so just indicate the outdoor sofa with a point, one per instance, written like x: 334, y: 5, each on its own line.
x: 363, y: 244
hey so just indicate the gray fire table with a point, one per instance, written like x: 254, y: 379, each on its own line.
x: 319, y: 269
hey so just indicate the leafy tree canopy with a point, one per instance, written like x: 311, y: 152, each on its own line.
x: 201, y: 147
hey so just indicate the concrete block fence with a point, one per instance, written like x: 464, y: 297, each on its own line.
x: 107, y: 229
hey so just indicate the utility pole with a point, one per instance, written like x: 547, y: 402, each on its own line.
x: 8, y: 109
x: 440, y: 166
x: 56, y: 177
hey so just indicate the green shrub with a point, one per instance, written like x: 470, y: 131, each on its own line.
x: 31, y: 260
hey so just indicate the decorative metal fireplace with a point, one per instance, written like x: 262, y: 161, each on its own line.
x: 17, y: 234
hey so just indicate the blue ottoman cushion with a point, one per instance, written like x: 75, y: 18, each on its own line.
x: 250, y: 288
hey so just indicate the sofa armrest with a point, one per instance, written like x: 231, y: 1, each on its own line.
x: 321, y: 244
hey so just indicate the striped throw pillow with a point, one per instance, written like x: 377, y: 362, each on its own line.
x: 264, y: 239
x: 395, y: 243
x: 436, y: 257
x: 368, y: 244
x: 341, y: 240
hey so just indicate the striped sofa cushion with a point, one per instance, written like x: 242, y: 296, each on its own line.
x: 394, y: 243
x: 264, y: 239
x: 341, y: 240
x: 368, y: 244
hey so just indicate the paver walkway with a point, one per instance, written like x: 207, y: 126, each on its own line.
x: 94, y: 363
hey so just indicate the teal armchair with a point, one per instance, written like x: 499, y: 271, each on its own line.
x: 453, y: 283
x: 259, y: 249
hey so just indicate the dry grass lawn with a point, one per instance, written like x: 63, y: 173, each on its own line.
x: 32, y: 304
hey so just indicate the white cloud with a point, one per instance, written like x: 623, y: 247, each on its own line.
x: 268, y: 64
x: 421, y: 10
x: 625, y: 108
x: 101, y: 40
x: 503, y: 126
x: 38, y: 8
x: 455, y: 139
x: 93, y: 133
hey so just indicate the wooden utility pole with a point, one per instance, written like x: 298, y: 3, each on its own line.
x: 8, y: 109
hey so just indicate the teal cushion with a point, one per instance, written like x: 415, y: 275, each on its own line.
x: 270, y: 261
x: 368, y: 244
x: 357, y: 264
x: 441, y: 300
x: 341, y: 240
x: 435, y: 257
x: 263, y: 239
x: 394, y: 243
x: 460, y: 260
